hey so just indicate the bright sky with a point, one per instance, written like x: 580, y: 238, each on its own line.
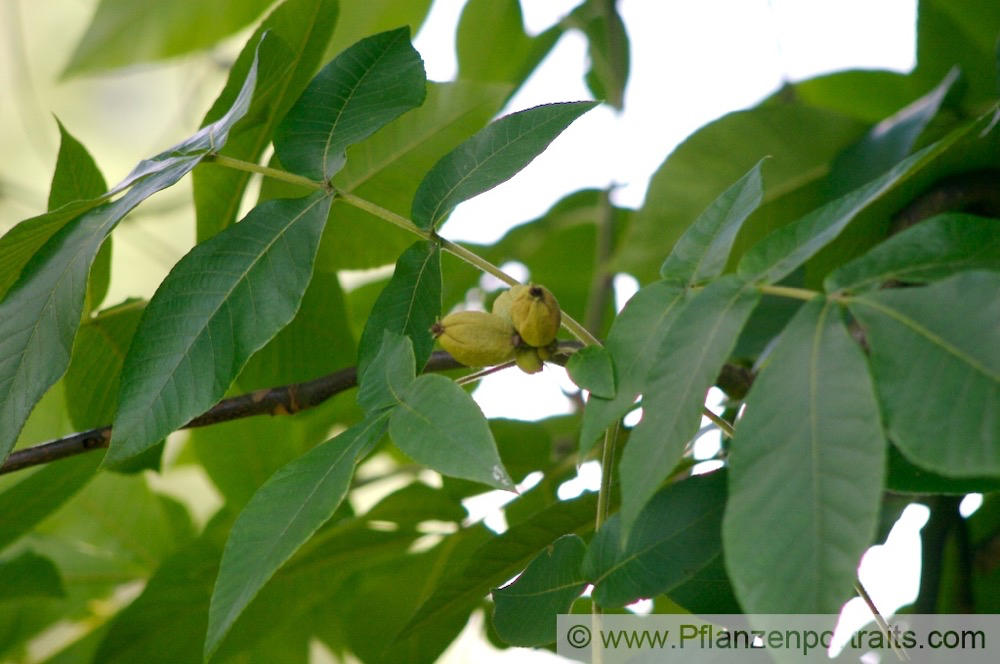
x: 691, y: 63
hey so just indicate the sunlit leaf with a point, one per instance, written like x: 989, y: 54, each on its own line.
x: 367, y: 86
x: 29, y: 575
x: 491, y: 157
x: 806, y: 469
x: 222, y: 302
x: 936, y: 362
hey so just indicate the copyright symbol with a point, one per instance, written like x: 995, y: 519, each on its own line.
x: 578, y: 636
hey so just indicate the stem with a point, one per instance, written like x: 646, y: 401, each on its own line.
x: 274, y: 173
x: 607, y: 468
x: 725, y: 426
x: 883, y: 625
x: 469, y: 257
x: 788, y: 291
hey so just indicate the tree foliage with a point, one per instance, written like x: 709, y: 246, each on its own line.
x: 842, y: 293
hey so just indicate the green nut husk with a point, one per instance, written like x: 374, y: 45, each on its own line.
x: 535, y: 314
x: 476, y: 338
x: 528, y: 359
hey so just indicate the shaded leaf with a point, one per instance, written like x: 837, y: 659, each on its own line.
x: 635, y: 337
x: 366, y: 87
x: 222, y: 302
x: 591, y: 368
x: 685, y: 366
x: 889, y: 141
x: 526, y: 609
x: 29, y: 575
x: 438, y: 424
x: 701, y: 252
x: 491, y: 157
x: 905, y: 477
x: 802, y: 140
x: 124, y: 32
x: 934, y: 249
x: 298, y: 32
x: 361, y: 19
x: 281, y: 516
x: 318, y: 341
x: 409, y: 305
x: 95, y: 366
x: 806, y: 471
x: 676, y: 534
x: 496, y: 561
x: 388, y: 375
x: 28, y: 502
x: 504, y: 53
x: 936, y: 362
x: 781, y: 252
x: 608, y: 48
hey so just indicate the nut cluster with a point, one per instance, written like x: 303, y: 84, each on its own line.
x: 522, y: 327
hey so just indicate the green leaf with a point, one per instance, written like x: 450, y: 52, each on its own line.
x: 25, y: 504
x: 526, y: 609
x: 953, y: 34
x: 282, y: 516
x: 383, y: 167
x: 408, y: 305
x: 781, y: 252
x: 678, y: 533
x: 29, y: 575
x: 905, y: 477
x: 504, y: 53
x: 23, y: 241
x: 936, y: 362
x: 388, y: 375
x: 437, y: 424
x: 806, y: 471
x: 361, y: 19
x: 76, y: 177
x: 96, y: 363
x: 934, y: 249
x: 889, y: 141
x: 701, y: 252
x: 298, y: 32
x: 222, y: 302
x: 608, y: 49
x: 802, y: 140
x: 496, y: 561
x: 317, y: 342
x: 366, y: 87
x: 686, y: 365
x: 492, y: 156
x: 124, y: 32
x: 40, y: 313
x: 592, y: 369
x: 635, y: 337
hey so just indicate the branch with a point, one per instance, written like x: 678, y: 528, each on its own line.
x: 291, y: 399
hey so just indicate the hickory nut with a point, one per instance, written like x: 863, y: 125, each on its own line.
x: 476, y: 338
